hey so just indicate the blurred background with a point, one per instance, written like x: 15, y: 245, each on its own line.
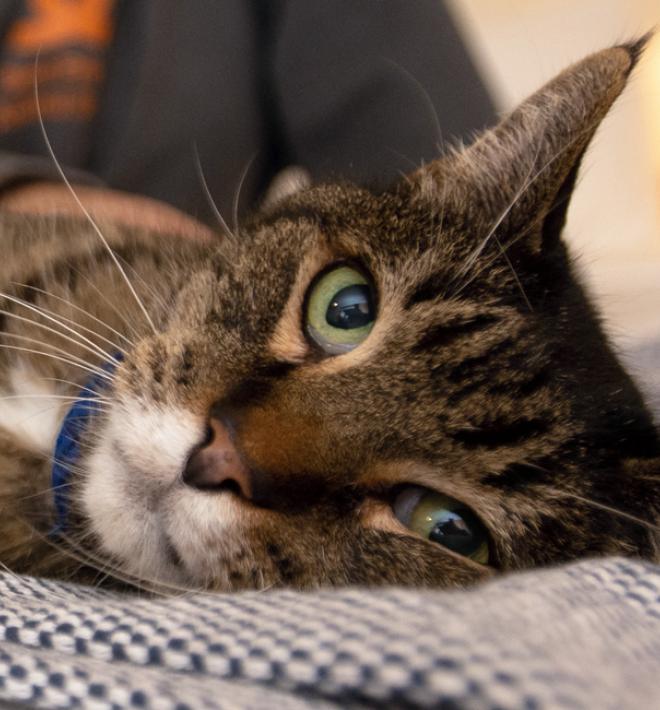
x: 614, y: 219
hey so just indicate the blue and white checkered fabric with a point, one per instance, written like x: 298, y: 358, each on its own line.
x: 581, y: 636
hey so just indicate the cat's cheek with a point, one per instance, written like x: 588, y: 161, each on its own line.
x: 126, y: 529
x: 137, y: 460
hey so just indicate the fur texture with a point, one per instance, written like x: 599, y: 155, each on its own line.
x: 486, y: 377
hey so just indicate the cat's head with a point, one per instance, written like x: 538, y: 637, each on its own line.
x: 405, y: 386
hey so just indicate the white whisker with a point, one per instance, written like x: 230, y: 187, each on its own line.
x: 527, y: 182
x: 83, y: 311
x: 54, y: 348
x: 77, y: 385
x: 69, y: 361
x: 82, y: 339
x: 82, y: 207
x: 237, y: 194
x: 44, y: 491
x: 71, y: 550
x: 103, y: 297
x: 516, y: 278
x: 67, y: 464
x: 490, y: 262
x: 209, y: 197
x: 157, y: 296
x: 470, y: 261
x: 155, y: 586
x: 43, y: 326
x: 610, y: 509
x: 423, y: 91
x: 70, y: 398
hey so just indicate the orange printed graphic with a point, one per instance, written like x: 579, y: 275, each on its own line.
x: 53, y: 23
x: 56, y: 106
x: 70, y: 68
x: 72, y: 36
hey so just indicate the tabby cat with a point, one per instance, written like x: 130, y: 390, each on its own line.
x: 405, y: 386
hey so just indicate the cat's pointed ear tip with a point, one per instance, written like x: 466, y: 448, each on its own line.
x: 636, y: 48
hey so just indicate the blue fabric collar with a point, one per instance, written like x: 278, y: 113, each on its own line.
x: 67, y: 444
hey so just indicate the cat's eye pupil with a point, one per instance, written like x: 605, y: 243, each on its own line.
x: 351, y: 307
x: 453, y: 531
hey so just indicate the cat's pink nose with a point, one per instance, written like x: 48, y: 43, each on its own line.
x: 217, y: 465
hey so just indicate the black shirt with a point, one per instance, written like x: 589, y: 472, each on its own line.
x: 129, y: 89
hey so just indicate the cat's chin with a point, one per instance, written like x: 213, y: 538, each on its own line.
x: 135, y: 501
x: 205, y: 530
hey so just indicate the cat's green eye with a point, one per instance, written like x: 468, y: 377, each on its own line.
x: 444, y: 520
x: 340, y: 310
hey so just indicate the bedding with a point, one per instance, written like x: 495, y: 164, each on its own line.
x: 586, y: 635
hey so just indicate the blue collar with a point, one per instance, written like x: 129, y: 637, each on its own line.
x: 67, y: 445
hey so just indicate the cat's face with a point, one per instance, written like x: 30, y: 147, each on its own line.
x: 405, y: 387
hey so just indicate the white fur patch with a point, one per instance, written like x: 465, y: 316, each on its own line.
x: 31, y: 411
x: 156, y: 440
x: 138, y: 460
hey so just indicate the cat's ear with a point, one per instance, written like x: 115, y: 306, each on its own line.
x: 520, y: 175
x: 287, y: 182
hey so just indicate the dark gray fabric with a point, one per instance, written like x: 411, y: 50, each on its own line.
x: 8, y: 10
x: 358, y: 89
x: 582, y: 636
x: 348, y: 88
x: 370, y: 88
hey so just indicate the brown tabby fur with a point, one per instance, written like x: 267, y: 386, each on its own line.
x: 486, y: 376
